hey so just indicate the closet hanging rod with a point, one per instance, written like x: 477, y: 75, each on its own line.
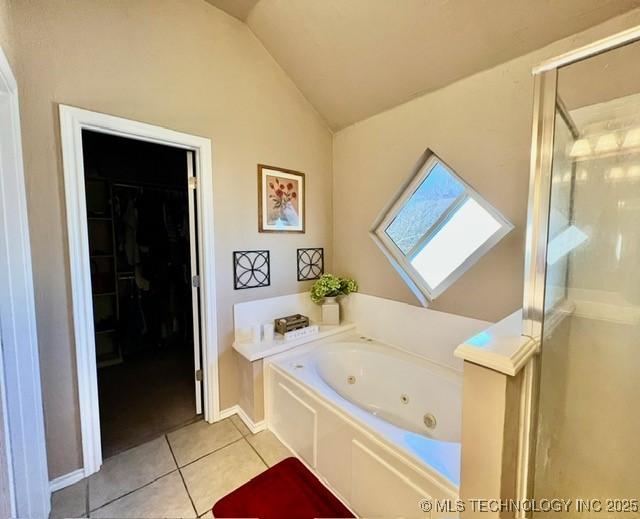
x: 147, y: 185
x: 125, y: 183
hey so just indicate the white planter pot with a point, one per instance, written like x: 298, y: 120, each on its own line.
x: 331, y: 311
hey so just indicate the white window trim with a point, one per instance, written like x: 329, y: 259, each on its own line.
x: 400, y: 260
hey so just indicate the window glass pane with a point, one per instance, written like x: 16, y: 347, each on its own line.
x: 436, y: 225
x: 428, y: 203
x: 467, y: 229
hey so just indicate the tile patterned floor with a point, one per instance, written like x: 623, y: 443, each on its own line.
x: 179, y: 475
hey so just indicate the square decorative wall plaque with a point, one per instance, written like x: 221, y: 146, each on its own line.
x: 251, y: 269
x: 310, y: 263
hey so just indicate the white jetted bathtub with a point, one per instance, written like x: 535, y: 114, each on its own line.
x: 381, y: 426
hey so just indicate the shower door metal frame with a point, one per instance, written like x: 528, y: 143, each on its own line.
x: 543, y: 132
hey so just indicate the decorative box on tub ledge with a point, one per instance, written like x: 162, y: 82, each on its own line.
x: 258, y: 350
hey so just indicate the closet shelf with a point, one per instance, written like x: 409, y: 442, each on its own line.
x: 110, y: 359
x: 109, y: 330
x: 117, y: 297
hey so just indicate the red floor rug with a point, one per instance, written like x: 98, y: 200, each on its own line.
x: 287, y: 490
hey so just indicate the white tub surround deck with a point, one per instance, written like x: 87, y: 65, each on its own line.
x: 259, y: 350
x: 249, y: 314
x: 263, y: 311
x: 380, y: 424
x: 427, y: 333
x: 498, y: 366
x: 387, y: 321
x: 354, y: 410
x: 374, y: 406
x: 501, y: 347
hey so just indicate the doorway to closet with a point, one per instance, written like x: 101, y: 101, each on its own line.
x: 141, y: 223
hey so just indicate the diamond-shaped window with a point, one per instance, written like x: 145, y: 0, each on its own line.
x: 437, y: 228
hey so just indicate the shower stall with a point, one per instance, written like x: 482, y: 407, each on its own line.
x: 582, y: 289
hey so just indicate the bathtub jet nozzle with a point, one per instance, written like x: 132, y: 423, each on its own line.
x: 430, y: 421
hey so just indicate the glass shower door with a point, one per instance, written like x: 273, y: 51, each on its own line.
x: 587, y: 439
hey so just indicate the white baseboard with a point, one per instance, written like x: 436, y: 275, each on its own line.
x: 66, y: 480
x: 254, y: 427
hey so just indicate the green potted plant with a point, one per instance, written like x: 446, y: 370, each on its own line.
x: 326, y: 291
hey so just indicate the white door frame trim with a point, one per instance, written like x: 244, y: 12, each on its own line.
x: 20, y: 385
x: 72, y: 121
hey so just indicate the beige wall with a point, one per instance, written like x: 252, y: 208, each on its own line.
x: 6, y: 41
x: 481, y: 126
x: 185, y: 65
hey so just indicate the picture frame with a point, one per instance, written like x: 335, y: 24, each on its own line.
x: 281, y: 200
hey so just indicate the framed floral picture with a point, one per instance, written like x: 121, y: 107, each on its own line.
x: 281, y: 200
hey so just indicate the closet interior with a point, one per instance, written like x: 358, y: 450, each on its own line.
x: 140, y: 256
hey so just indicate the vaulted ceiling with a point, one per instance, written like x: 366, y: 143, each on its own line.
x: 355, y: 58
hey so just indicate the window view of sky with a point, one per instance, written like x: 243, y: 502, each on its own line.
x: 434, y: 196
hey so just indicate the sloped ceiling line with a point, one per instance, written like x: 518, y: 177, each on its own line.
x: 355, y: 58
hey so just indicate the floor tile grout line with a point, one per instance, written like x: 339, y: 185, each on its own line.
x: 202, y: 457
x: 184, y: 483
x: 238, y: 428
x: 86, y: 499
x: 209, y: 453
x: 149, y: 439
x: 136, y: 489
x: 88, y: 508
x: 173, y: 456
x: 214, y: 450
x: 178, y: 468
x: 132, y: 491
x: 156, y: 436
x: 256, y: 451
